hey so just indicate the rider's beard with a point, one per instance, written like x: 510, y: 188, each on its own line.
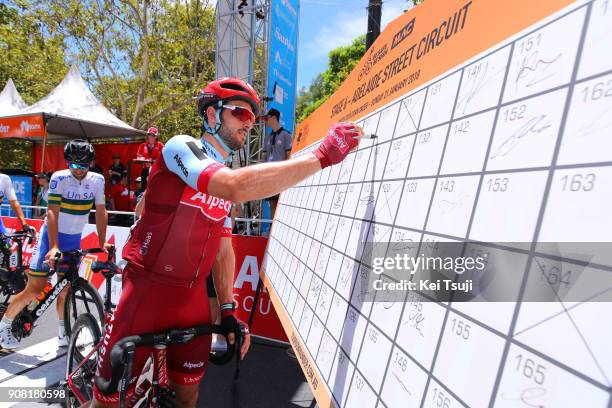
x: 230, y: 138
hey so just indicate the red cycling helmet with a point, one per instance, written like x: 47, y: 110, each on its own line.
x: 227, y: 89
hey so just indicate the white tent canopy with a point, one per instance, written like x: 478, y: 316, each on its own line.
x: 71, y: 110
x: 10, y: 100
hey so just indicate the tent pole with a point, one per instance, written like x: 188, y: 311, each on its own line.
x: 42, y: 160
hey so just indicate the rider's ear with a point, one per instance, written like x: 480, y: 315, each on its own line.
x: 211, y: 117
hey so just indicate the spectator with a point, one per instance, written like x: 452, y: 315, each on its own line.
x: 116, y: 170
x: 95, y: 167
x: 42, y: 195
x: 149, y: 150
x: 277, y: 146
x: 121, y: 200
x: 138, y: 191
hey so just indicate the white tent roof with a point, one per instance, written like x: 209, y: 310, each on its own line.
x: 10, y: 100
x: 72, y: 110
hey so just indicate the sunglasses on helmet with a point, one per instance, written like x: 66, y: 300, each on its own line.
x: 240, y: 113
x: 79, y: 166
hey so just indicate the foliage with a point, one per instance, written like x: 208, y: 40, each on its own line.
x: 144, y: 60
x: 340, y: 63
x: 34, y: 58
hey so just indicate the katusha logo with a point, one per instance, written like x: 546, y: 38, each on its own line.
x: 212, y: 207
x: 4, y: 128
x: 27, y: 127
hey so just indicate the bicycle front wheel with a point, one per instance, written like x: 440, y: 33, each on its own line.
x: 82, y: 298
x: 81, y: 360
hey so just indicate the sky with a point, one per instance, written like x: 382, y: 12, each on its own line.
x: 328, y: 24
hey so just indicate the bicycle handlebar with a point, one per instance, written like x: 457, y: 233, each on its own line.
x: 77, y: 253
x: 119, y: 352
x: 29, y: 234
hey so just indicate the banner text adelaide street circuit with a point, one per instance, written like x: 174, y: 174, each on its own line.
x: 434, y: 38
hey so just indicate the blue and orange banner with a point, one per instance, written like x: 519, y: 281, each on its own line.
x: 417, y: 47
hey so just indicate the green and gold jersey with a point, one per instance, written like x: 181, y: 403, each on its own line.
x: 75, y: 198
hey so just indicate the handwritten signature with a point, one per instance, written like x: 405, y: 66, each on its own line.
x: 477, y: 83
x: 536, y: 124
x: 449, y: 206
x: 409, y: 104
x: 534, y: 69
x: 527, y: 396
x: 598, y: 123
x: 402, y: 384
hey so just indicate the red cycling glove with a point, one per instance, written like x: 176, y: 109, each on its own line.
x: 337, y: 144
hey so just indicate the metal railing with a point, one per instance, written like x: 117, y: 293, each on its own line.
x: 251, y: 226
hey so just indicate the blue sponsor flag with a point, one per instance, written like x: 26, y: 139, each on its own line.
x: 282, y: 65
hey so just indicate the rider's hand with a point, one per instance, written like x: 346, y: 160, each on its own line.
x: 28, y: 228
x: 337, y: 144
x: 107, y: 246
x: 50, y: 257
x: 231, y: 325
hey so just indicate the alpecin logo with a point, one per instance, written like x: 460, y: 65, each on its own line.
x: 212, y: 207
x: 189, y: 364
x: 179, y: 162
x: 4, y: 128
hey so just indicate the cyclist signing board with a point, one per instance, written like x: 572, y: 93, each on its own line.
x: 173, y: 245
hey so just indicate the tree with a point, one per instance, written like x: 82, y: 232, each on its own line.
x: 341, y: 62
x: 146, y: 59
x: 34, y: 59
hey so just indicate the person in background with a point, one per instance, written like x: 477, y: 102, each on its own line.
x: 138, y: 190
x: 277, y: 146
x: 93, y: 166
x: 116, y: 170
x: 149, y: 150
x: 42, y: 195
x: 120, y: 200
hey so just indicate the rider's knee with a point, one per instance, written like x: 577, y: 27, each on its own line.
x: 35, y: 285
x: 187, y: 396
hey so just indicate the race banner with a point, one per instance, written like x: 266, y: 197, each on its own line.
x: 22, y: 126
x: 249, y: 256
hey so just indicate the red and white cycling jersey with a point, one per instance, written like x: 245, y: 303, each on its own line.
x: 176, y: 239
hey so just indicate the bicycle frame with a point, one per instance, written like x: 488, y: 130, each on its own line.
x: 159, y: 384
x: 29, y: 317
x: 69, y: 380
x: 26, y: 318
x: 156, y: 388
x: 108, y: 314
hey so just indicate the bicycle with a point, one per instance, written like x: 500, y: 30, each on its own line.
x: 149, y: 392
x: 86, y: 342
x: 12, y: 277
x: 86, y: 334
x: 81, y: 298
